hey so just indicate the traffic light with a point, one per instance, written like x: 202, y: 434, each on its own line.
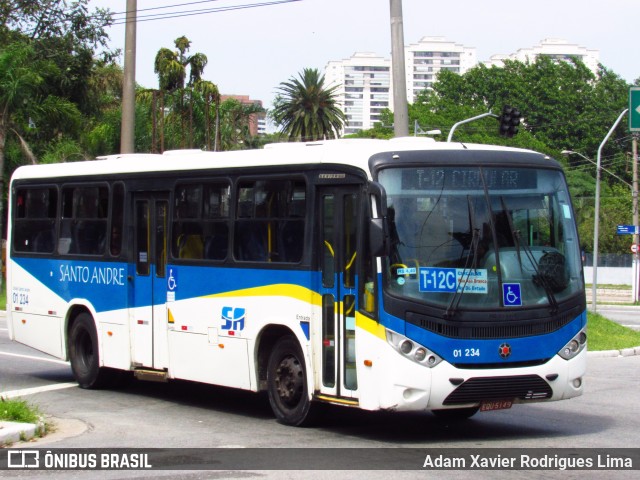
x: 509, y: 121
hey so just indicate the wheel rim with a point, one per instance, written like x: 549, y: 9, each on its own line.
x: 289, y: 381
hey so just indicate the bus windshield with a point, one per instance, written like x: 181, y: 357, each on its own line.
x: 467, y: 237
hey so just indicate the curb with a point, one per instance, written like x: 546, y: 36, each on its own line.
x: 625, y: 352
x: 13, y: 432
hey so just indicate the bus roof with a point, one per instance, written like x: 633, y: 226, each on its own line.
x: 354, y: 152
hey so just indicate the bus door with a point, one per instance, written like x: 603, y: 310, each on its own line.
x: 339, y: 211
x: 149, y: 314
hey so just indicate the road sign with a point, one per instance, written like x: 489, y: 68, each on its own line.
x: 634, y: 248
x: 634, y: 109
x: 627, y: 230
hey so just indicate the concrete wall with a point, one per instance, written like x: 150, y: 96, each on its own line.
x: 610, y: 275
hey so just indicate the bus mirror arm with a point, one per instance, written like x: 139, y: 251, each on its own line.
x: 379, y: 227
x: 378, y: 237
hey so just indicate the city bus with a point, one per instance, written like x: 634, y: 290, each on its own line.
x: 397, y: 275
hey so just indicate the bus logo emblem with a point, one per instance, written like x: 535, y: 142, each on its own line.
x: 233, y: 318
x: 504, y: 350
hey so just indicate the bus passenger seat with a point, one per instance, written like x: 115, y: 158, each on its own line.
x: 215, y: 247
x: 190, y: 246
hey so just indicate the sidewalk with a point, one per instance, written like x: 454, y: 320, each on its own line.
x: 610, y: 295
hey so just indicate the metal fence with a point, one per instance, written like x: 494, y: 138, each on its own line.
x: 609, y: 260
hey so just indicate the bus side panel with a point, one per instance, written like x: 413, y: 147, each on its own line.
x: 114, y: 346
x: 35, y: 313
x: 216, y: 319
x: 41, y: 332
x: 198, y: 358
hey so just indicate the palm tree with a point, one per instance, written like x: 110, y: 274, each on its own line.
x: 306, y: 110
x: 210, y: 95
x: 171, y: 67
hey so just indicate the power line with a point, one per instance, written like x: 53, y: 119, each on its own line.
x: 167, y: 6
x: 188, y: 13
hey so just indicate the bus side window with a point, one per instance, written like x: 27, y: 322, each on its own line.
x: 34, y: 226
x: 215, y: 214
x: 187, y: 223
x: 83, y: 227
x: 270, y: 221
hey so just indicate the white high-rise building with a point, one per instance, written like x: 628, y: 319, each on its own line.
x: 364, y: 88
x: 556, y: 48
x: 365, y: 84
x: 425, y: 59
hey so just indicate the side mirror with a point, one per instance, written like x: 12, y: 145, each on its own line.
x: 378, y: 237
x: 378, y: 226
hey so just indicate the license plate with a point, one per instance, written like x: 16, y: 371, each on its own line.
x: 489, y: 405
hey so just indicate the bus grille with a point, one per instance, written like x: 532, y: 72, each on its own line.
x: 523, y: 387
x: 501, y: 330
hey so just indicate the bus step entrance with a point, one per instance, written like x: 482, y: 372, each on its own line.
x: 150, y: 375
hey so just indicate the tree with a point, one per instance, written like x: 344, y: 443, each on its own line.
x: 306, y: 110
x: 234, y: 124
x: 178, y: 97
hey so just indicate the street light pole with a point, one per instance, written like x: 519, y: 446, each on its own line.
x: 634, y: 195
x: 596, y: 223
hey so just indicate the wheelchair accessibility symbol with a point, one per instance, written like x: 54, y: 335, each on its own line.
x: 511, y: 295
x: 172, y: 280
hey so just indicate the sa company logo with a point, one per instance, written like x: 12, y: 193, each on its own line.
x: 504, y: 350
x: 233, y: 319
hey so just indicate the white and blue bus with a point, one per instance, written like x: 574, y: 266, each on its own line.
x: 401, y: 275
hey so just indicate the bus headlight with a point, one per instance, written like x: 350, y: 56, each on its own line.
x: 575, y: 345
x: 412, y: 350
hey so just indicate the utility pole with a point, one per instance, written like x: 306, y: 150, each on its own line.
x: 634, y: 193
x: 127, y: 131
x: 400, y: 109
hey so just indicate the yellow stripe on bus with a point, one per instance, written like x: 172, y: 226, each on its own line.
x: 371, y: 326
x: 277, y: 290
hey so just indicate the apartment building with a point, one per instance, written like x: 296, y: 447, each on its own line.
x: 426, y: 58
x: 555, y: 48
x: 363, y: 84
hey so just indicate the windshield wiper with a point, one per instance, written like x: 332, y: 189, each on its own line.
x: 473, y: 248
x: 538, y: 278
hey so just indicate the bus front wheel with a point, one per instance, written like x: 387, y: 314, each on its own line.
x: 83, y: 353
x: 287, y: 384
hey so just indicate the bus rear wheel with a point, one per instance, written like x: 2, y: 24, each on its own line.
x: 287, y: 384
x: 83, y: 353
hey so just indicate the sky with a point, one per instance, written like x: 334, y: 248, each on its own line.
x: 251, y: 50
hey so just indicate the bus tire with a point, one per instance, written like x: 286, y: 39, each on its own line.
x: 287, y: 384
x: 456, y: 414
x: 84, y: 353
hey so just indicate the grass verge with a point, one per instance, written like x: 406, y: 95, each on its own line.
x: 17, y: 410
x: 604, y: 334
x: 20, y: 411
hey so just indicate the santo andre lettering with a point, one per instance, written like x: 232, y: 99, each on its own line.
x: 92, y: 275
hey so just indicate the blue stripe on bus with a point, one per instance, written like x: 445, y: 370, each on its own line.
x: 471, y: 351
x: 106, y: 286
